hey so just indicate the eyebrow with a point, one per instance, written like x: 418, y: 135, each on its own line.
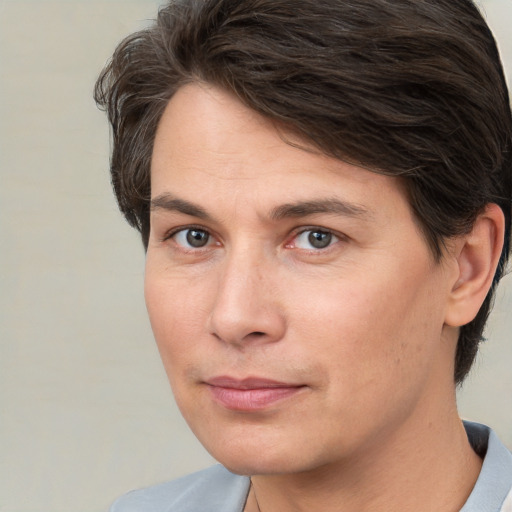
x: 288, y: 210
x: 169, y: 203
x: 328, y: 205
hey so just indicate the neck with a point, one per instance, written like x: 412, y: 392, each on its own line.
x: 398, y: 473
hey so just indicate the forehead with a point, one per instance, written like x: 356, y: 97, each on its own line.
x: 211, y: 121
x: 210, y: 146
x: 201, y: 120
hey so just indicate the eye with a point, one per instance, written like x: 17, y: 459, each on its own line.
x: 192, y: 238
x: 314, y: 239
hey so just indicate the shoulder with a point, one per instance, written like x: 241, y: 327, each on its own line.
x: 493, y: 489
x: 209, y: 490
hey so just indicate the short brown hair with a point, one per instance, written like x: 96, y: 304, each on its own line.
x: 409, y: 88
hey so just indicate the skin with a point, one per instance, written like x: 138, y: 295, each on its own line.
x: 364, y: 329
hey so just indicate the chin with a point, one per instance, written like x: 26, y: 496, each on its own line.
x: 261, y: 458
x: 258, y: 466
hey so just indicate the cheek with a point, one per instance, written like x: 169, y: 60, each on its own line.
x: 374, y: 351
x: 177, y: 317
x: 370, y: 327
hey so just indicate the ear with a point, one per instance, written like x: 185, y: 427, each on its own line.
x: 477, y: 256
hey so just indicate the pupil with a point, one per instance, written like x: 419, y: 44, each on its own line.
x: 197, y: 238
x: 319, y: 239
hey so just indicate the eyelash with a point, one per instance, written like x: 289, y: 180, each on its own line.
x: 334, y: 238
x: 183, y: 229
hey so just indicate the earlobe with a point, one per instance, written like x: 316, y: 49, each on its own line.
x: 478, y: 256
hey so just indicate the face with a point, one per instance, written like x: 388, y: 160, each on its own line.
x: 296, y: 306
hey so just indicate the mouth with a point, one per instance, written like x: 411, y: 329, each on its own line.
x: 250, y: 394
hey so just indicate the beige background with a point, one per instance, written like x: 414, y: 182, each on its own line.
x: 86, y: 413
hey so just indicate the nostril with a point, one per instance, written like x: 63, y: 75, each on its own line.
x: 258, y: 333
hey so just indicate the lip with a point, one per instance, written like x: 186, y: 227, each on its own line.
x: 251, y: 393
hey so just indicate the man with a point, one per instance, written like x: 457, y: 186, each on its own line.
x: 324, y: 193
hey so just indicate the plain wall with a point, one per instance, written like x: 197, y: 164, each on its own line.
x: 86, y: 413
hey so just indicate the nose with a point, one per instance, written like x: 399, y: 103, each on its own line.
x: 246, y: 310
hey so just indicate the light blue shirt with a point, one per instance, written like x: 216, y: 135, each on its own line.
x: 217, y: 490
x: 492, y: 491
